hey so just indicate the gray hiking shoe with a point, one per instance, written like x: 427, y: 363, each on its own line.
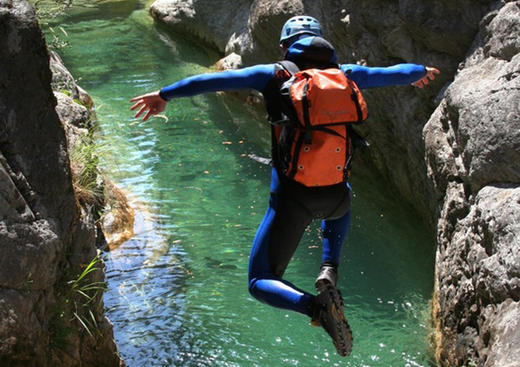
x: 329, y: 314
x: 328, y: 275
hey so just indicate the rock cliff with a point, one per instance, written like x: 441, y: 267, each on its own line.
x: 472, y: 145
x: 452, y: 150
x: 47, y: 233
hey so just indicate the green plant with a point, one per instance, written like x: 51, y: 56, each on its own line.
x: 48, y: 10
x: 56, y: 42
x: 28, y: 283
x: 78, y: 298
x: 84, y: 294
x: 85, y: 173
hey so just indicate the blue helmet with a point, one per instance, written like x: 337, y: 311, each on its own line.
x: 300, y: 24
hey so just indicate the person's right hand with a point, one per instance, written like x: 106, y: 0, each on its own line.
x: 152, y: 102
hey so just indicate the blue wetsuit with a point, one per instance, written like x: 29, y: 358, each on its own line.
x: 292, y: 206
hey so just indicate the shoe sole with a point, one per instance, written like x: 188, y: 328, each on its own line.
x: 341, y: 335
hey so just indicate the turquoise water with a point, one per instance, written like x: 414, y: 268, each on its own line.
x: 177, y: 291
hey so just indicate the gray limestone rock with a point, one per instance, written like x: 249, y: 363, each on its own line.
x: 30, y: 255
x: 63, y: 82
x: 472, y: 144
x: 231, y: 61
x: 211, y: 21
x: 13, y: 207
x: 20, y: 329
x: 45, y: 239
x: 75, y: 119
x: 478, y: 273
x: 27, y: 110
x: 502, y: 325
x: 70, y: 112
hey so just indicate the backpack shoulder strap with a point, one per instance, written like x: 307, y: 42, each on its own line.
x: 289, y: 66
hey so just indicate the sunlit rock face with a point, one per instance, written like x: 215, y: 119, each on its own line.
x: 452, y: 149
x: 473, y: 159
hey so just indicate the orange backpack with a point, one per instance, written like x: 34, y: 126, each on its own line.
x: 314, y: 142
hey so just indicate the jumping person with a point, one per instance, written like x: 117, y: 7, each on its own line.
x: 292, y: 205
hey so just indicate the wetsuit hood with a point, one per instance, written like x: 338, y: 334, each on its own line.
x: 312, y: 52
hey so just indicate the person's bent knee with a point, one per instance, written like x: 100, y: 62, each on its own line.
x: 253, y: 290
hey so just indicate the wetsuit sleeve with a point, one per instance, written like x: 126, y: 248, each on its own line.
x: 253, y: 77
x: 371, y: 77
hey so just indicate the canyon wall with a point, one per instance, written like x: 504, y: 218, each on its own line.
x: 47, y: 231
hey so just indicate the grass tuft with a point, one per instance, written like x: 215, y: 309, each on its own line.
x: 86, y: 178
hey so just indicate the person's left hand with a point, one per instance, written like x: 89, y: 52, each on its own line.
x: 430, y: 75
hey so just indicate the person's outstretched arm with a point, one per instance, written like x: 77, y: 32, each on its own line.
x: 254, y: 77
x: 400, y: 74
